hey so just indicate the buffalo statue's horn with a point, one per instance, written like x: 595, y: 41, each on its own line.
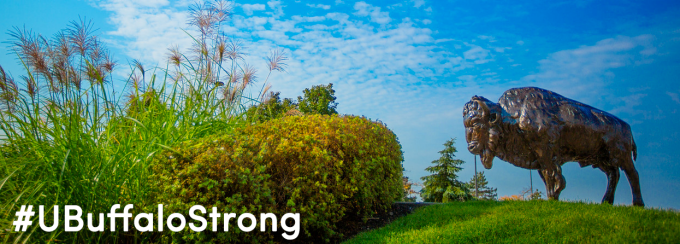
x: 483, y: 105
x: 489, y: 112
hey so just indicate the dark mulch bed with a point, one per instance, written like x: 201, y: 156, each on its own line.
x: 351, y: 228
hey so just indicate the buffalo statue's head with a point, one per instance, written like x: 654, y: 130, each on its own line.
x: 481, y: 117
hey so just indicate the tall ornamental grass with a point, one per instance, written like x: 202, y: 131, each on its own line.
x: 69, y: 138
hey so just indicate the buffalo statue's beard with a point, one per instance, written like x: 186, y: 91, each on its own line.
x: 484, y: 151
x: 488, y: 154
x: 487, y: 158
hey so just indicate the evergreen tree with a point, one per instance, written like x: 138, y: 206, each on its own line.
x: 528, y: 194
x: 536, y: 195
x: 443, y: 184
x: 483, y: 190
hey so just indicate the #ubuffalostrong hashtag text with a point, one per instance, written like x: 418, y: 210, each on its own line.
x: 175, y: 221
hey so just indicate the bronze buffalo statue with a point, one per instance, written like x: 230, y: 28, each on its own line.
x: 533, y: 128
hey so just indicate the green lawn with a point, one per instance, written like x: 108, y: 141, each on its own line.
x: 528, y: 222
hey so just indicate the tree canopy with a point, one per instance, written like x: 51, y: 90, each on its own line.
x: 273, y: 107
x: 319, y: 99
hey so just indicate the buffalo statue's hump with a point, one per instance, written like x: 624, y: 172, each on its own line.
x: 547, y: 107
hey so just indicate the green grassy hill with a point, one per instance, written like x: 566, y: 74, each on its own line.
x: 528, y: 222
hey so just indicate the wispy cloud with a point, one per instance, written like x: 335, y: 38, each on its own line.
x: 321, y: 6
x: 248, y: 9
x: 277, y: 8
x: 477, y: 54
x: 585, y: 71
x: 418, y: 3
x: 147, y: 28
x: 674, y: 96
x: 377, y: 16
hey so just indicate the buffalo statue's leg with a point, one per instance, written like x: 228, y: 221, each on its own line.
x: 550, y: 171
x: 547, y: 175
x: 560, y: 182
x: 634, y: 180
x: 612, y: 181
x: 540, y: 173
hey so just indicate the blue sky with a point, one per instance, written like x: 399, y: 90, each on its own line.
x: 413, y: 64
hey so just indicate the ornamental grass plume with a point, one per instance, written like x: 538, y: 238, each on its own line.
x: 248, y: 75
x: 220, y: 49
x: 8, y: 91
x: 266, y: 89
x: 138, y: 65
x: 234, y: 50
x: 276, y: 60
x: 203, y: 16
x: 218, y: 61
x: 31, y: 86
x: 222, y: 10
x: 52, y: 62
x: 80, y: 36
x: 175, y: 56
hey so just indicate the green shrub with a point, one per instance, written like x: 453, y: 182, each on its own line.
x: 327, y: 168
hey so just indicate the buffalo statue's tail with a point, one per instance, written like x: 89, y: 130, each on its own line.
x: 634, y: 148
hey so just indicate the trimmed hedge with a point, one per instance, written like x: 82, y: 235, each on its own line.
x: 327, y: 168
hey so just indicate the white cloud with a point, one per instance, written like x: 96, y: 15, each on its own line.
x: 674, y: 96
x: 488, y: 38
x: 364, y: 9
x: 418, y: 3
x: 444, y: 40
x: 628, y: 104
x: 147, y: 28
x: 277, y: 7
x: 501, y: 49
x: 477, y: 54
x: 584, y: 72
x: 321, y: 6
x: 249, y: 8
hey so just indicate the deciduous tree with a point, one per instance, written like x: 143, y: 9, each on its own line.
x: 319, y: 99
x: 273, y: 107
x: 408, y: 194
